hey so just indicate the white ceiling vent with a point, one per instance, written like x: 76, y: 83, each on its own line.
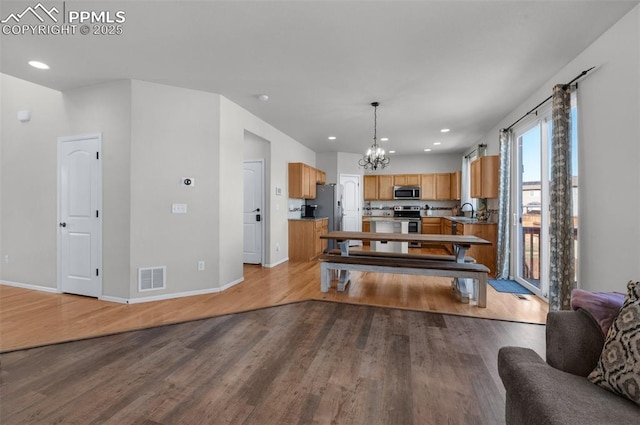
x: 151, y: 278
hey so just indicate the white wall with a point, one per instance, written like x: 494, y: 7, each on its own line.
x: 609, y: 154
x: 152, y: 136
x: 424, y: 163
x: 174, y: 134
x: 28, y: 182
x: 106, y: 108
x: 234, y: 121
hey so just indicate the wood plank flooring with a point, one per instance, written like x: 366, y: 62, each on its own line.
x: 32, y: 318
x: 311, y: 362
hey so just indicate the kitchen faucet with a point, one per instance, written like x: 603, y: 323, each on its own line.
x: 472, y: 210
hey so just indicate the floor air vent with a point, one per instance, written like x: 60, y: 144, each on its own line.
x: 151, y: 278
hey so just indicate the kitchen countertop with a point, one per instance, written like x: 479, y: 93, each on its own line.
x: 309, y: 218
x: 467, y: 220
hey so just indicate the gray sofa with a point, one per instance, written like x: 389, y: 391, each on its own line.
x: 558, y: 392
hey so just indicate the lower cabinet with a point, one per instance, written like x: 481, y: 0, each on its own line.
x: 483, y: 254
x: 304, y: 238
x: 366, y: 227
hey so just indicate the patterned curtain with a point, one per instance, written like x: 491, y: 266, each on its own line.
x: 504, y: 202
x: 561, y: 273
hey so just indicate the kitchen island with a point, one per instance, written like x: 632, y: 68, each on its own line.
x: 389, y: 225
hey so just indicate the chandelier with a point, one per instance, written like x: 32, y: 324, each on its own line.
x: 374, y: 158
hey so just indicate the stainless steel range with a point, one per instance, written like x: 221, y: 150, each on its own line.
x: 412, y: 214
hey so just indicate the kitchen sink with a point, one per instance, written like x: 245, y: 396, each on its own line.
x: 464, y: 219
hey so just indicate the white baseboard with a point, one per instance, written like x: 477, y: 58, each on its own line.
x: 131, y: 300
x: 284, y: 260
x: 30, y: 286
x: 230, y: 284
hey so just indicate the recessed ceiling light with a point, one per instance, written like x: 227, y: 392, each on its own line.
x: 392, y: 151
x: 445, y: 130
x: 332, y: 137
x: 437, y: 143
x: 384, y: 139
x: 427, y: 150
x: 39, y: 65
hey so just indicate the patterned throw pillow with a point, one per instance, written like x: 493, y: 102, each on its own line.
x: 618, y: 369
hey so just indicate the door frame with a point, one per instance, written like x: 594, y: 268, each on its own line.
x: 541, y: 121
x: 78, y: 138
x: 263, y: 211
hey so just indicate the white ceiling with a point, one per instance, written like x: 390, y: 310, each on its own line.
x: 431, y: 64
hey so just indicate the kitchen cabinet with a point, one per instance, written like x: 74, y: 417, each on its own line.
x: 303, y: 179
x: 378, y: 188
x: 304, y: 238
x: 370, y: 188
x: 435, y: 187
x: 431, y: 226
x: 483, y: 254
x: 484, y: 177
x: 443, y: 186
x: 385, y: 187
x: 427, y: 187
x: 456, y: 185
x: 406, y: 179
x: 366, y: 227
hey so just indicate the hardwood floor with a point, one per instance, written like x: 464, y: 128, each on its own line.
x: 304, y: 363
x: 32, y: 318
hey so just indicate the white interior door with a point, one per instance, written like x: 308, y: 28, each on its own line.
x: 252, y: 212
x: 80, y: 215
x: 351, y: 198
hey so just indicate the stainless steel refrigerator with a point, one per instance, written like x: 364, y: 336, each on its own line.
x: 329, y: 202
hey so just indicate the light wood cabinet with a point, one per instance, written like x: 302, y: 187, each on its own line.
x: 385, y: 187
x: 431, y: 226
x: 484, y: 177
x: 483, y: 254
x: 370, y: 188
x: 406, y: 179
x: 443, y: 186
x: 366, y: 227
x: 435, y: 187
x: 304, y: 239
x: 427, y: 187
x: 303, y: 179
x: 456, y: 185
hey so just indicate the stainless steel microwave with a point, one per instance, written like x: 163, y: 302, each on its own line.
x: 406, y: 192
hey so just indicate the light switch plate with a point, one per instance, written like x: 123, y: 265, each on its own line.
x: 179, y: 208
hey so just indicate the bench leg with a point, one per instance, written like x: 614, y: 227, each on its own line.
x: 343, y: 279
x: 482, y: 291
x: 325, y: 277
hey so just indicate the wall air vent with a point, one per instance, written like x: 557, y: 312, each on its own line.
x: 151, y: 278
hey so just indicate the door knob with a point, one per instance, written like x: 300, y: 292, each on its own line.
x: 63, y: 224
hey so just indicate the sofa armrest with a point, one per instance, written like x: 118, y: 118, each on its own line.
x: 574, y: 342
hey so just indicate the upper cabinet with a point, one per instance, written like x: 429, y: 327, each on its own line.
x: 438, y: 187
x: 456, y: 185
x: 406, y: 180
x: 378, y: 188
x: 484, y: 177
x: 370, y: 188
x: 303, y: 179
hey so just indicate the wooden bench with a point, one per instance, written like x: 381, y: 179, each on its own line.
x: 402, y: 265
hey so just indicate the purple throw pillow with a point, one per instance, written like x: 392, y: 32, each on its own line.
x: 602, y: 306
